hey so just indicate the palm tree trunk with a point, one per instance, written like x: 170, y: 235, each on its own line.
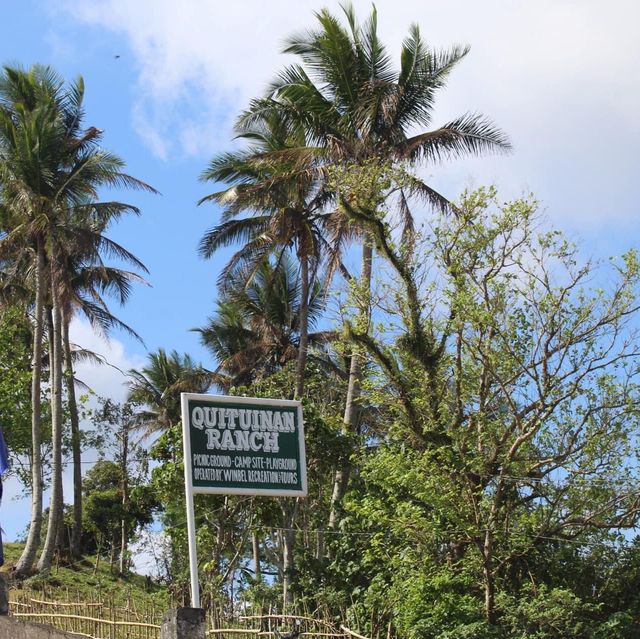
x: 35, y: 524
x: 76, y: 533
x: 304, y: 326
x: 56, y: 504
x: 352, y: 407
x: 290, y: 511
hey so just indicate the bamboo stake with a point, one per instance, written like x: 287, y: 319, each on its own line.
x: 266, y: 633
x: 309, y: 634
x: 135, y: 624
x: 353, y: 634
x: 60, y: 603
x: 301, y: 617
x: 245, y: 631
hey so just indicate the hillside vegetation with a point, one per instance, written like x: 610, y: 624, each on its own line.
x: 80, y: 581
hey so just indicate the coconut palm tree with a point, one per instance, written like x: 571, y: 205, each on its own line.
x: 158, y: 385
x: 257, y: 328
x: 85, y: 280
x: 78, y: 231
x: 279, y: 214
x: 255, y: 332
x: 49, y: 164
x: 31, y: 150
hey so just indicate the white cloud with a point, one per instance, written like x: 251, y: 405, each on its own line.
x: 107, y: 380
x: 559, y: 76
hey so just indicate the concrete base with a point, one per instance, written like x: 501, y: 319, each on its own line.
x: 183, y: 623
x: 13, y: 629
x: 4, y: 595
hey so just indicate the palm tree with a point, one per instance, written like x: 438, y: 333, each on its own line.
x: 79, y: 230
x: 257, y: 328
x: 31, y: 144
x: 283, y: 214
x: 158, y: 386
x: 86, y: 279
x: 357, y: 110
x: 49, y: 164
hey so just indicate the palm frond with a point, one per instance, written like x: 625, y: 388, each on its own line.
x: 467, y: 135
x: 231, y: 232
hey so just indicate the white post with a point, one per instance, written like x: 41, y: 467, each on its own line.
x: 193, y: 553
x: 191, y: 517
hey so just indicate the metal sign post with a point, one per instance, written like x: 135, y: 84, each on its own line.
x: 239, y: 446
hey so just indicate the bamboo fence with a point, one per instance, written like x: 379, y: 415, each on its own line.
x: 94, y: 620
x: 106, y: 620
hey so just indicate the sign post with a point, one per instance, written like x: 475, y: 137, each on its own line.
x: 239, y: 446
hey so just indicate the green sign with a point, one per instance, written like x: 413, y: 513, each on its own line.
x: 246, y: 446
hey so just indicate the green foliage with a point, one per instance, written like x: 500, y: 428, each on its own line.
x: 547, y: 613
x: 494, y: 457
x: 157, y: 387
x: 103, y: 506
x: 167, y: 483
x: 512, y: 390
x: 495, y: 450
x: 15, y: 378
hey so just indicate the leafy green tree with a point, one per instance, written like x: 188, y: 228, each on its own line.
x: 15, y: 377
x: 118, y: 424
x: 109, y: 511
x: 514, y: 386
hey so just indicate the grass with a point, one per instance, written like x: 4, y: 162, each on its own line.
x: 79, y: 581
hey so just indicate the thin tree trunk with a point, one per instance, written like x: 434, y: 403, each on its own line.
x: 56, y: 504
x: 112, y: 552
x: 255, y: 545
x: 304, y: 326
x: 76, y: 533
x: 124, y: 532
x: 27, y: 558
x: 289, y: 514
x: 98, y: 551
x: 489, y: 587
x: 220, y: 536
x: 289, y: 511
x: 257, y: 573
x: 352, y: 407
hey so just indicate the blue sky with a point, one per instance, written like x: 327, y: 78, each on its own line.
x: 559, y: 76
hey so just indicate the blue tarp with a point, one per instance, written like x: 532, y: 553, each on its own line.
x: 4, y: 467
x: 4, y: 455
